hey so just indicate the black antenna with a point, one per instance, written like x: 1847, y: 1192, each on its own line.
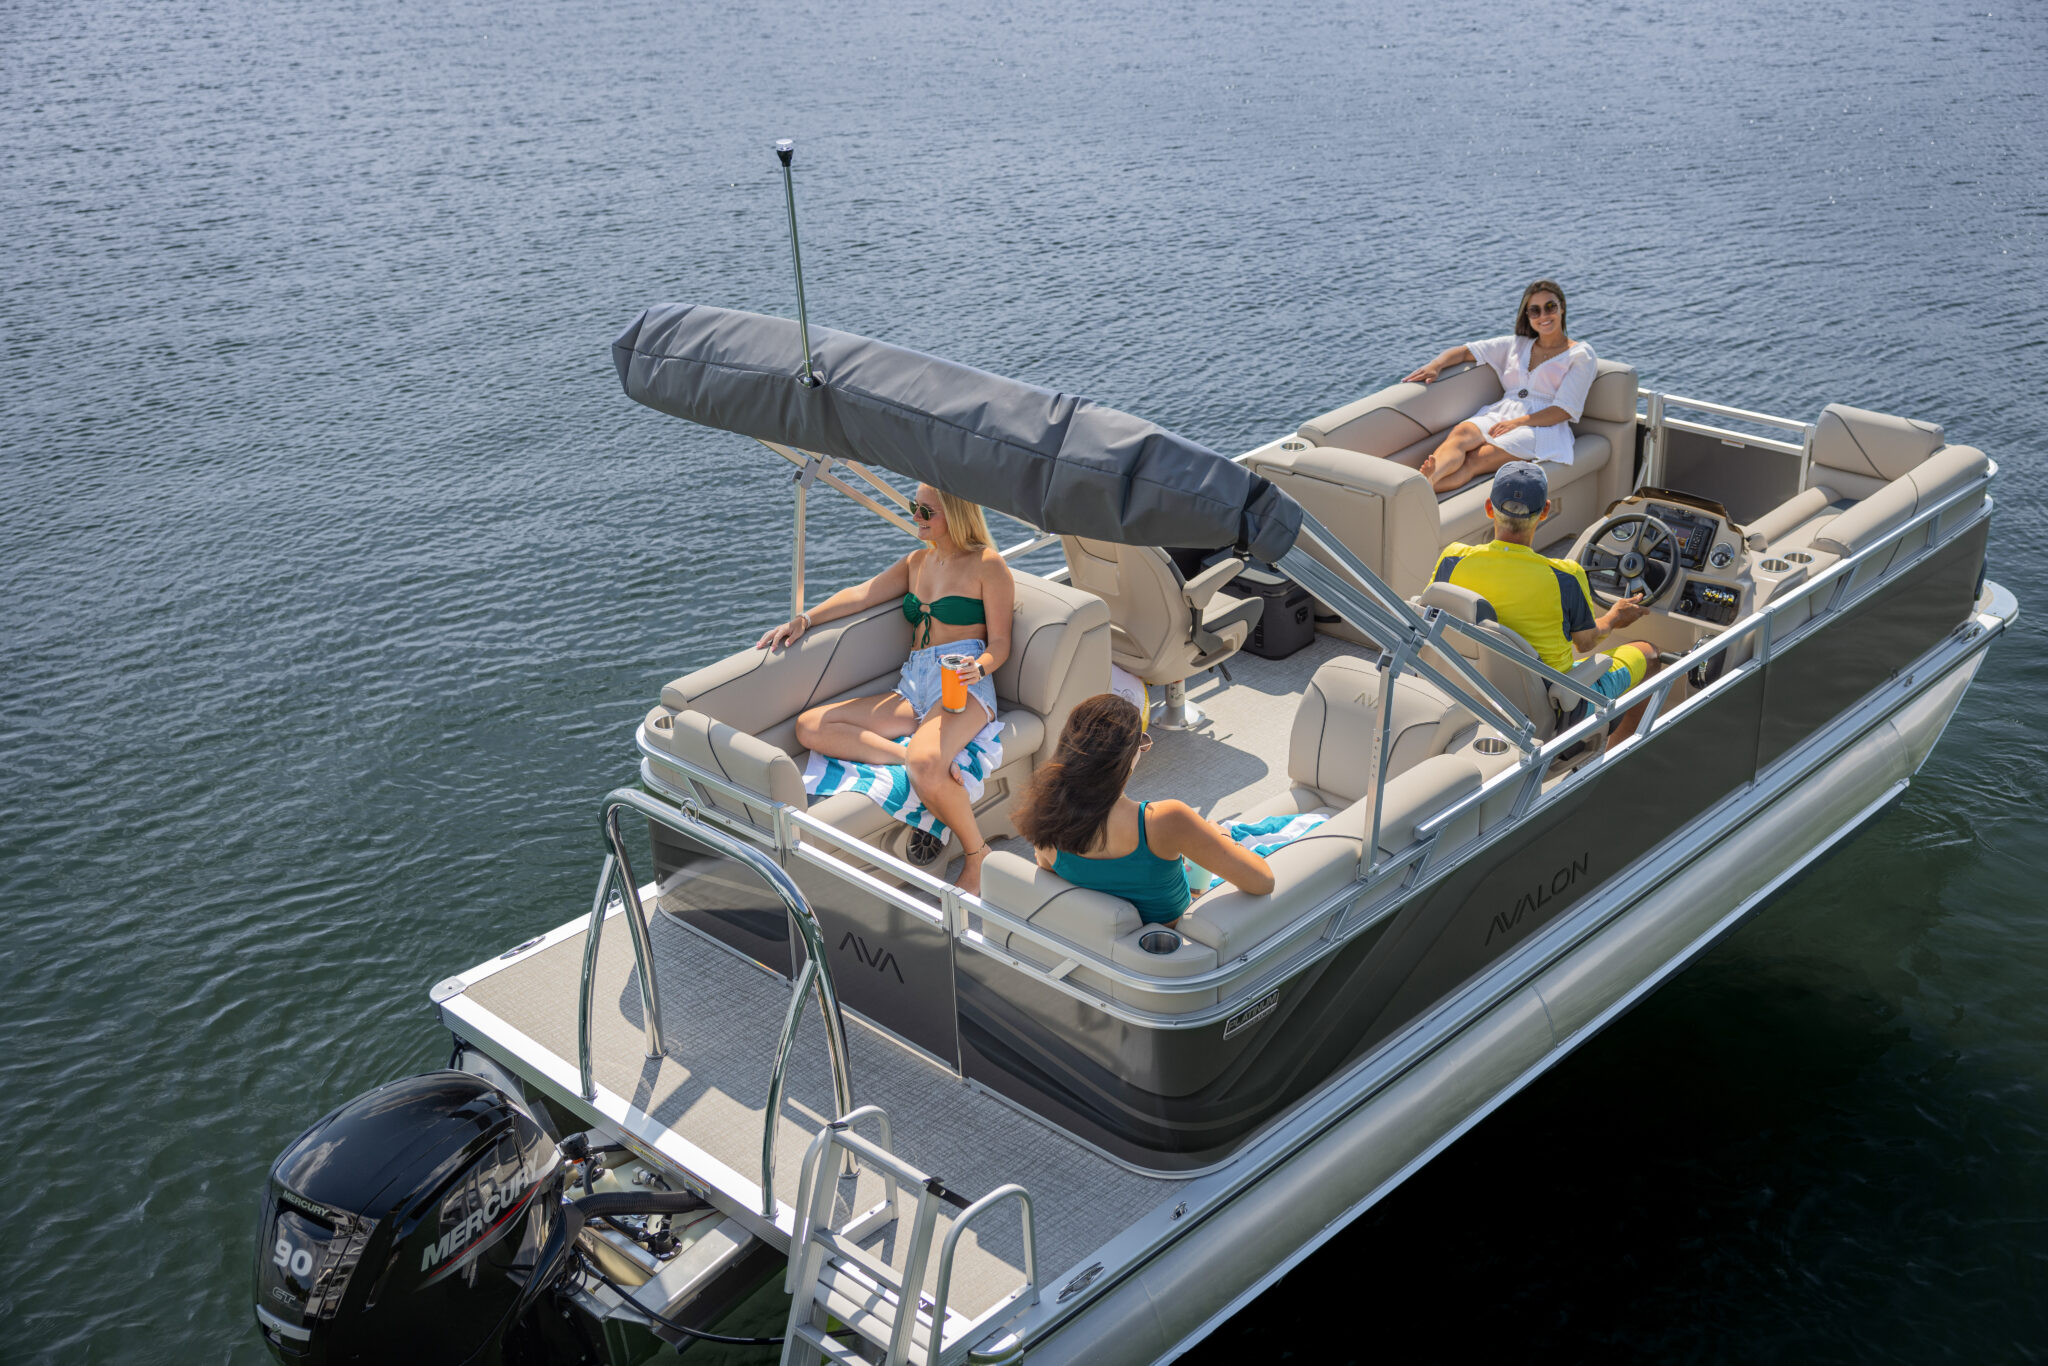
x: 785, y: 149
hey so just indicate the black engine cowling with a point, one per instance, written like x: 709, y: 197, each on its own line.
x: 408, y: 1226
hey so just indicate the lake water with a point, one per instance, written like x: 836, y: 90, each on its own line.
x: 335, y: 570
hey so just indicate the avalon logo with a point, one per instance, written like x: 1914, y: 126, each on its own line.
x: 1539, y: 896
x: 878, y: 959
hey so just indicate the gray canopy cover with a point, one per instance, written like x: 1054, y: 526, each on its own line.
x: 1058, y: 462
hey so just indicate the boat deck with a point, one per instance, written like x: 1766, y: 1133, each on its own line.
x: 702, y: 1104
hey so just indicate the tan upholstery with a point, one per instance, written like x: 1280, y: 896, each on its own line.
x: 1336, y: 724
x: 755, y: 689
x: 1103, y: 926
x: 1163, y: 629
x: 1383, y: 511
x: 1305, y: 872
x: 1579, y: 489
x: 737, y: 716
x: 1378, y: 515
x: 1329, y: 754
x: 732, y: 754
x: 1317, y: 865
x: 1795, y: 512
x: 1881, y: 514
x: 1863, y: 451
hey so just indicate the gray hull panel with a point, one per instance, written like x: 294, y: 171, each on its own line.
x: 1181, y: 1100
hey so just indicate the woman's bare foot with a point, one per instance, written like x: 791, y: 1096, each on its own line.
x: 970, y: 871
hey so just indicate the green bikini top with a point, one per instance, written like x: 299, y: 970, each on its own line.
x: 953, y: 611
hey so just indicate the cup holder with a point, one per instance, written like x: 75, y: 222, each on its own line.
x: 1294, y: 445
x: 1159, y: 941
x: 664, y: 723
x: 1798, y: 557
x: 1489, y: 744
x: 1775, y: 567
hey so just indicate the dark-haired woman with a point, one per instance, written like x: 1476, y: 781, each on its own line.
x: 1086, y: 830
x: 1544, y: 378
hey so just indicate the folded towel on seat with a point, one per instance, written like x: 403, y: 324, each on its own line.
x: 888, y: 785
x: 1262, y: 837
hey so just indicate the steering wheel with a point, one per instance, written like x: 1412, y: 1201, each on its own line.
x: 1630, y: 554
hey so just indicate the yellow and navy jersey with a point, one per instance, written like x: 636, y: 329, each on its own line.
x: 1542, y: 600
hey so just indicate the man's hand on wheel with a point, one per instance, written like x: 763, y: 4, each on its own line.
x: 1624, y: 612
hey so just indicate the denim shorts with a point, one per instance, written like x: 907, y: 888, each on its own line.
x: 919, y: 683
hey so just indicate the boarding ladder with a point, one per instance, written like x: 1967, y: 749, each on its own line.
x: 833, y: 1280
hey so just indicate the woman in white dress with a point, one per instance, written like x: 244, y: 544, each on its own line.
x: 1544, y: 377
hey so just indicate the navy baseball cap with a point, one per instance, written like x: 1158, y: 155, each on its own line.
x: 1520, y: 489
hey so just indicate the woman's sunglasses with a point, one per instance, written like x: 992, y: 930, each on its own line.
x: 1550, y: 307
x: 924, y: 512
x: 1144, y: 743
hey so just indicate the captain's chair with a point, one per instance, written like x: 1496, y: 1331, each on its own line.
x: 1163, y: 628
x: 1541, y: 701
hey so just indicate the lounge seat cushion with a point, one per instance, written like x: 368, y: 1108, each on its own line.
x: 1305, y: 873
x: 1863, y: 450
x: 1793, y: 513
x: 1102, y: 926
x: 1336, y: 724
x: 1462, y: 512
x: 1922, y: 487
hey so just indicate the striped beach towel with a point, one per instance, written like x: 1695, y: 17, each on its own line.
x: 888, y: 785
x: 1262, y: 837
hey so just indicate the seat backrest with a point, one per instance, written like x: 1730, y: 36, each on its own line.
x: 757, y: 690
x: 1152, y: 626
x: 1404, y: 422
x: 1527, y: 691
x: 1399, y: 415
x: 1919, y: 489
x: 1862, y: 451
x: 1337, y: 721
x: 1384, y: 512
x: 1059, y: 651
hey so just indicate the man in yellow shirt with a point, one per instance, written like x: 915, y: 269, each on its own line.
x: 1546, y: 601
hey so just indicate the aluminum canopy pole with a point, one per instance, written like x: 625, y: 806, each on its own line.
x: 784, y: 150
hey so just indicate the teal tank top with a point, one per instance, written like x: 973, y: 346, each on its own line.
x: 1155, y: 885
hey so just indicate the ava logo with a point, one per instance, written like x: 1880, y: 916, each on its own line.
x: 878, y: 959
x: 1541, y: 895
x: 473, y: 1216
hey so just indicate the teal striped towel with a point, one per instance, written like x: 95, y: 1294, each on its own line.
x: 888, y: 785
x: 1262, y: 837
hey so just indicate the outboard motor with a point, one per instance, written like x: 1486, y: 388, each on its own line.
x: 415, y: 1223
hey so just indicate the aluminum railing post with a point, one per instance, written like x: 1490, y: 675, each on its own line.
x: 587, y: 990
x: 643, y: 941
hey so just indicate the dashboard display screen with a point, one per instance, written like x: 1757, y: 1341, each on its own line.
x: 1695, y: 533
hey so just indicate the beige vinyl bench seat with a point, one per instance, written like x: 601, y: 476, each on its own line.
x: 1329, y: 760
x: 1357, y: 469
x: 736, y: 718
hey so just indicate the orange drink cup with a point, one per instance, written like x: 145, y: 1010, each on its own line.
x: 952, y: 691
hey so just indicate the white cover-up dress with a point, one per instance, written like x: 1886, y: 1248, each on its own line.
x: 1561, y: 381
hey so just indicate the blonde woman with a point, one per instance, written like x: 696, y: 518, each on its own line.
x: 957, y: 594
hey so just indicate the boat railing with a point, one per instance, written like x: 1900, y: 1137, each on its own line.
x: 1657, y: 420
x: 801, y: 836
x: 816, y: 974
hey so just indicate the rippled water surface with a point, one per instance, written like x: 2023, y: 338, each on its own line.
x: 335, y: 570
